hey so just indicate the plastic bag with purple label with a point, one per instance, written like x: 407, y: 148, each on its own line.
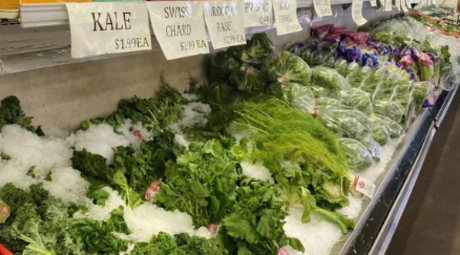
x: 420, y: 92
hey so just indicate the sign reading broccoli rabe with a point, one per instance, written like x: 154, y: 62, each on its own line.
x: 225, y: 20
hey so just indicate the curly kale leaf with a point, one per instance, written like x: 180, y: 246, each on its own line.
x: 11, y: 113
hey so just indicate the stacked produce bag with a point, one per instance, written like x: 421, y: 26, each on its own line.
x: 270, y: 144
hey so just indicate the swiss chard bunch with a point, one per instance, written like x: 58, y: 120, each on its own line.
x: 256, y: 224
x: 307, y: 200
x: 201, y: 183
x: 297, y: 181
x: 11, y: 113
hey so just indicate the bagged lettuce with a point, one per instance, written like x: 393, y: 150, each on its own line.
x: 372, y: 146
x: 420, y: 92
x: 356, y: 77
x: 402, y: 93
x: 370, y: 82
x: 358, y: 156
x: 383, y: 91
x: 379, y: 130
x: 287, y: 68
x: 329, y: 102
x: 328, y: 78
x: 390, y: 109
x: 349, y: 123
x: 394, y: 129
x: 298, y: 96
x: 357, y: 99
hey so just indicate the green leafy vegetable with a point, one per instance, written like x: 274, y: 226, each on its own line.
x: 201, y: 183
x: 328, y: 78
x: 359, y: 157
x: 256, y: 224
x: 287, y: 68
x: 11, y: 113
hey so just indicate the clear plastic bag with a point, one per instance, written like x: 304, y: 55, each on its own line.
x: 402, y: 93
x: 370, y: 82
x: 384, y: 91
x: 360, y: 100
x: 372, y: 146
x: 394, y: 129
x: 358, y: 156
x: 420, y: 92
x: 328, y: 102
x: 356, y: 78
x: 297, y: 95
x: 390, y: 109
x: 287, y: 68
x: 379, y: 130
x: 349, y: 123
x: 328, y: 78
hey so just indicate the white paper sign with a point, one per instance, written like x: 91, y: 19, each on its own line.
x: 374, y: 3
x: 357, y: 12
x: 225, y: 20
x: 286, y: 17
x: 398, y: 4
x: 105, y: 28
x: 403, y: 6
x: 322, y: 7
x: 179, y: 28
x: 388, y: 5
x: 258, y: 13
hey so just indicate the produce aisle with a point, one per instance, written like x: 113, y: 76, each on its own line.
x: 271, y: 145
x: 430, y: 223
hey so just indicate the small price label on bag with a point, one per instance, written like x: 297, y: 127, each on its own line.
x: 364, y: 186
x: 258, y: 13
x: 179, y: 28
x: 225, y: 21
x: 286, y: 17
x: 105, y: 28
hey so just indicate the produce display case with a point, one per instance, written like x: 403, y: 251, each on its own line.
x: 380, y: 215
x: 379, y: 221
